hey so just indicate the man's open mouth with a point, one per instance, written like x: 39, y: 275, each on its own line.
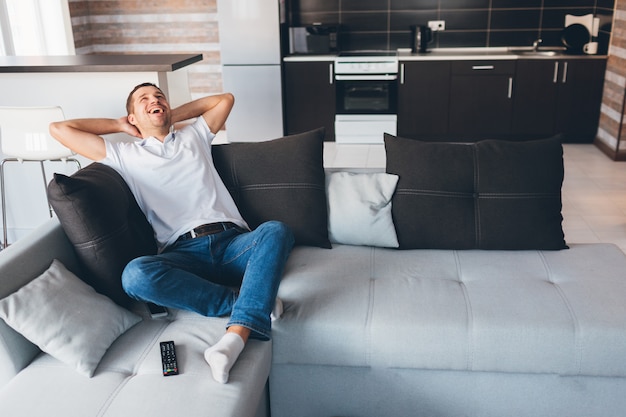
x: 155, y: 110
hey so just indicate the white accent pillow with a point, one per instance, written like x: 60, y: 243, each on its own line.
x: 66, y: 318
x: 359, y: 208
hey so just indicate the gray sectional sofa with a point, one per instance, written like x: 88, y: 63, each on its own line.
x: 449, y: 291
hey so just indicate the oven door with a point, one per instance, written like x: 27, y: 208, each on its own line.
x: 366, y: 94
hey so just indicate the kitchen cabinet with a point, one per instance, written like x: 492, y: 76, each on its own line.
x: 481, y: 99
x: 423, y: 99
x: 309, y: 97
x: 536, y: 91
x: 473, y: 99
x: 560, y: 96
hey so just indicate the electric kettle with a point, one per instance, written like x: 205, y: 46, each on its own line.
x: 421, y: 36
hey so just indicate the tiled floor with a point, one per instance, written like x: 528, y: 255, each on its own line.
x: 594, y: 190
x: 594, y: 197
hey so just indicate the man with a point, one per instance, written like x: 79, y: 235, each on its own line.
x: 208, y: 260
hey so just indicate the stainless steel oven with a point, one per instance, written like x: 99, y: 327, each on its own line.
x: 366, y: 94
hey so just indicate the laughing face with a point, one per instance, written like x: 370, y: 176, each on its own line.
x: 151, y: 112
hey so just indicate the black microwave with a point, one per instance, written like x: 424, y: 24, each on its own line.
x: 314, y: 39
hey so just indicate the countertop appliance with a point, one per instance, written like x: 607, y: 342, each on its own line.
x: 421, y: 36
x: 366, y: 94
x: 250, y: 46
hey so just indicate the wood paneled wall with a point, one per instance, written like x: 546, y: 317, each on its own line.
x: 611, y: 136
x: 152, y: 26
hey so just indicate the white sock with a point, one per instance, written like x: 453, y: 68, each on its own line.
x: 278, y: 310
x: 222, y: 356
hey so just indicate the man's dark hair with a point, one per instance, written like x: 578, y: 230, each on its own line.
x: 129, y: 100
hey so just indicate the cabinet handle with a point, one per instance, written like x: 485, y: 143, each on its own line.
x: 401, y: 73
x: 331, y: 77
x: 373, y: 77
x: 564, y: 73
x: 510, y: 93
x: 483, y: 67
x: 555, y: 78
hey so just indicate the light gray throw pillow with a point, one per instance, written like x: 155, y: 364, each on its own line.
x: 359, y: 209
x: 66, y: 318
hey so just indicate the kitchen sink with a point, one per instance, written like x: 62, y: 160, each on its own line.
x: 535, y: 52
x: 538, y: 53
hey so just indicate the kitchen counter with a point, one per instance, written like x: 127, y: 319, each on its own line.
x: 465, y: 54
x: 310, y: 58
x: 97, y: 63
x: 457, y: 54
x: 68, y: 80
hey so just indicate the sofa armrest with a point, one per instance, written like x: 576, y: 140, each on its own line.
x: 15, y: 353
x: 20, y: 263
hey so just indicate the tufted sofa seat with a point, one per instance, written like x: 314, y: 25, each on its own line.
x: 441, y: 333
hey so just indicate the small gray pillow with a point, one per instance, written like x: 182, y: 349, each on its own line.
x: 66, y: 318
x: 359, y: 209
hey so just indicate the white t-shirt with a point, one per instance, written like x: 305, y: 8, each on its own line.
x: 175, y: 182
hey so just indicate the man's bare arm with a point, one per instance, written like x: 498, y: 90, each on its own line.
x: 215, y: 109
x: 83, y: 136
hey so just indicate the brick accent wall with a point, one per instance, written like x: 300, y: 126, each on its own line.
x: 611, y: 136
x: 153, y: 26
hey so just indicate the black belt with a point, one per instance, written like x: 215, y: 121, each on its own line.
x: 207, y: 229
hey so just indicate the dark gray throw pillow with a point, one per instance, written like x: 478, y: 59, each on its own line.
x: 101, y: 218
x: 281, y: 179
x: 490, y: 194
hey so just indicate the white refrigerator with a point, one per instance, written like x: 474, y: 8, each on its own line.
x: 250, y: 48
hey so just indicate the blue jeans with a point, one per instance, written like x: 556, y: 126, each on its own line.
x: 233, y: 272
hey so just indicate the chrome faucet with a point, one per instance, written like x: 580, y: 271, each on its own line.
x: 536, y: 44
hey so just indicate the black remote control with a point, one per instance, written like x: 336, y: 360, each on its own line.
x: 168, y: 358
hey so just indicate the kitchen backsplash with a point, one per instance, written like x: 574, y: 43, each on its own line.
x: 385, y: 24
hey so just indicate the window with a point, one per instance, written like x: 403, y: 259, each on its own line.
x: 35, y: 27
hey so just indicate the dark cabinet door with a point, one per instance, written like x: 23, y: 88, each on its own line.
x: 579, y: 99
x: 481, y: 99
x: 561, y: 96
x: 309, y: 97
x: 423, y: 99
x: 536, y: 89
